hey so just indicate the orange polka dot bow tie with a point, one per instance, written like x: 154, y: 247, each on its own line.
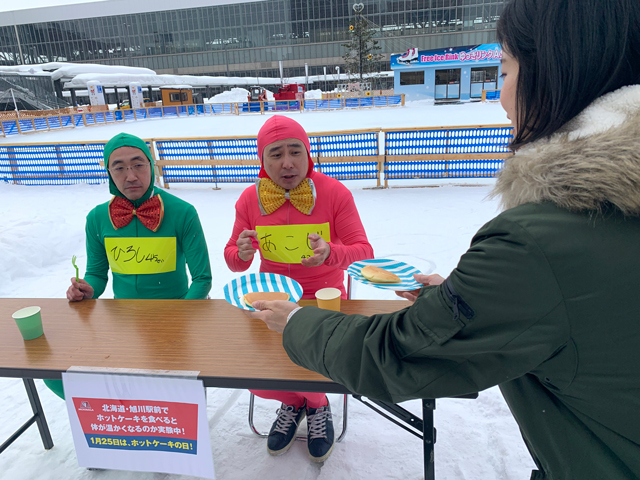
x: 150, y: 213
x: 272, y: 196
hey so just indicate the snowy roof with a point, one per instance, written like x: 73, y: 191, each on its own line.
x: 77, y: 75
x: 115, y: 79
x: 70, y: 71
x: 67, y: 71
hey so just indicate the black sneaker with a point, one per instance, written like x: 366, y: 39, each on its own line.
x: 320, y: 438
x: 283, y: 430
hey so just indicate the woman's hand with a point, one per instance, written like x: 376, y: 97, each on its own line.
x: 425, y: 280
x: 274, y: 314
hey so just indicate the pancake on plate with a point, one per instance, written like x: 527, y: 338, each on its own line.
x: 249, y: 298
x: 379, y: 275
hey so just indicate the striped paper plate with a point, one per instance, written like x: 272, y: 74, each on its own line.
x: 260, y: 282
x: 401, y: 269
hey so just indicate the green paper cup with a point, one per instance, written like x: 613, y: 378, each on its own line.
x: 29, y: 322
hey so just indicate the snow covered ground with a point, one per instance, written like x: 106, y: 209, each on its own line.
x: 427, y: 227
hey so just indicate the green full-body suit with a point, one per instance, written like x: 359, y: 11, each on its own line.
x: 180, y: 221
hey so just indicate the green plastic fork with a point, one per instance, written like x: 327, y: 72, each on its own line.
x: 73, y: 261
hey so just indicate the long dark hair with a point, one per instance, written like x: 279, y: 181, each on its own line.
x: 570, y: 52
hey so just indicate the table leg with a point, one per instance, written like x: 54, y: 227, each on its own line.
x: 38, y: 418
x: 38, y: 413
x: 429, y: 438
x: 421, y: 428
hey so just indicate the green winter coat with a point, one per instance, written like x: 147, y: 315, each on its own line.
x: 544, y: 303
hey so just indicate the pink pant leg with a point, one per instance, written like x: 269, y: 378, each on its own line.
x: 315, y: 400
x: 297, y: 399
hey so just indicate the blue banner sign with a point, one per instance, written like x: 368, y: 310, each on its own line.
x: 485, y: 53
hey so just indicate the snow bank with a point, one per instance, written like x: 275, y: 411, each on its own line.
x: 235, y: 95
x: 313, y: 95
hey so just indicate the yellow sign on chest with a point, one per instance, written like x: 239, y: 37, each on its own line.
x: 141, y: 256
x: 289, y: 243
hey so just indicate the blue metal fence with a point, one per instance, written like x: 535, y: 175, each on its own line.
x: 336, y: 154
x: 454, y: 152
x: 179, y: 160
x: 59, y: 164
x: 342, y: 156
x: 89, y: 118
x: 54, y: 122
x: 491, y: 95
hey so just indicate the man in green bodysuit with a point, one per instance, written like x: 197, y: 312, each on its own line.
x: 145, y: 236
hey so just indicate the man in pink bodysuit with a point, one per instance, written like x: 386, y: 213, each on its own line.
x: 306, y: 227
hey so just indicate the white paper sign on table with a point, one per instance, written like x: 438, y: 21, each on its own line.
x: 140, y: 422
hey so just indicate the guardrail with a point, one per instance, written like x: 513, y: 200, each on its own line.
x: 451, y: 152
x: 13, y: 126
x: 490, y: 95
x: 373, y: 154
x: 344, y: 155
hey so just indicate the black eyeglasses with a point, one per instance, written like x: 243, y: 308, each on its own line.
x: 136, y: 168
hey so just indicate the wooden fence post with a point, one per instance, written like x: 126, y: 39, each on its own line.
x: 159, y: 173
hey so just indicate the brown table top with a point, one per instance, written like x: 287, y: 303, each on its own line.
x: 226, y: 347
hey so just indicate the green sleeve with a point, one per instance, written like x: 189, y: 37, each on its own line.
x: 97, y: 263
x: 196, y: 254
x: 515, y: 320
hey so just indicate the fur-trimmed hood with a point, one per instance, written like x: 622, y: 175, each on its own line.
x: 592, y: 163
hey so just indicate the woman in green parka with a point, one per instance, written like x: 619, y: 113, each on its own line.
x: 545, y: 301
x: 146, y: 236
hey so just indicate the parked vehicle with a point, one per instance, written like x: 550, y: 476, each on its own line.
x: 257, y: 94
x: 124, y: 105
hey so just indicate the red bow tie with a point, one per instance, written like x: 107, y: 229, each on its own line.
x: 150, y: 213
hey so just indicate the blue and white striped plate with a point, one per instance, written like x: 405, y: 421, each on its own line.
x: 401, y: 269
x: 260, y: 282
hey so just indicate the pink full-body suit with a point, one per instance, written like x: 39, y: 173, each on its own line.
x: 334, y: 205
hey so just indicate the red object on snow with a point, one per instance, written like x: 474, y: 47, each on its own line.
x: 293, y: 91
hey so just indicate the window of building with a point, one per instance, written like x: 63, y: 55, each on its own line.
x: 412, y: 78
x: 447, y: 84
x: 253, y: 25
x: 485, y: 74
x: 449, y: 76
x: 484, y: 78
